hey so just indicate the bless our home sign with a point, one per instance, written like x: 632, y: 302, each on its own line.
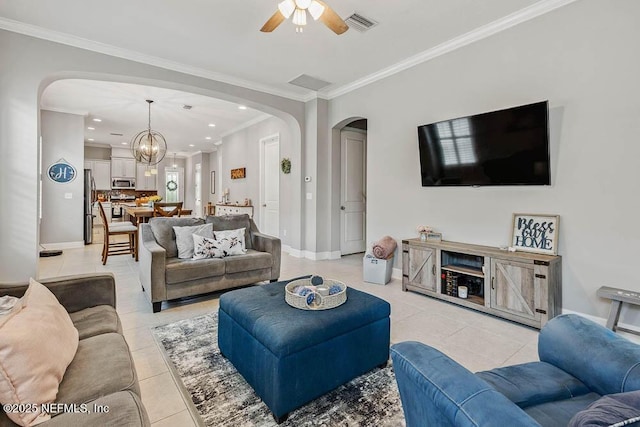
x: 535, y: 233
x: 61, y: 172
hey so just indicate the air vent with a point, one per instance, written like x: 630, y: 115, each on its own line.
x: 115, y: 134
x: 187, y: 107
x: 309, y: 82
x: 360, y: 23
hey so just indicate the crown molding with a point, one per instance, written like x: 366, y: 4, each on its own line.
x: 245, y: 125
x: 540, y: 8
x: 82, y: 43
x: 65, y: 111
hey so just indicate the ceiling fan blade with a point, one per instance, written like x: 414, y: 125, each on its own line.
x: 332, y: 20
x: 273, y: 22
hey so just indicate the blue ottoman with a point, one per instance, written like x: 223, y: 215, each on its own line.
x: 291, y: 356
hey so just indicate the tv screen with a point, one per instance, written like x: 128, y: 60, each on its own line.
x: 505, y: 147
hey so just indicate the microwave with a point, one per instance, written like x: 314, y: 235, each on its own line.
x: 123, y: 183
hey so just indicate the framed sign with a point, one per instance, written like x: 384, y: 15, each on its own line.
x: 535, y: 233
x: 213, y: 182
x: 238, y: 173
x: 61, y: 172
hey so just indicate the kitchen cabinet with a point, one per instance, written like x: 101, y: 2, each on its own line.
x: 101, y: 172
x: 123, y: 167
x: 145, y: 183
x: 95, y: 211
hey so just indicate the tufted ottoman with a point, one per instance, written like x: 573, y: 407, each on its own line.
x: 291, y: 356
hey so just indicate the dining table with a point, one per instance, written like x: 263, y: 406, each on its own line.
x: 140, y: 214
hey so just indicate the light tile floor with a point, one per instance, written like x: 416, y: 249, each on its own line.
x: 475, y: 340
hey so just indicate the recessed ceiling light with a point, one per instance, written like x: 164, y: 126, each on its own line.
x: 217, y: 143
x: 91, y: 128
x: 212, y: 125
x: 90, y: 139
x: 207, y: 137
x: 191, y: 145
x: 124, y: 143
x: 242, y: 107
x: 97, y: 120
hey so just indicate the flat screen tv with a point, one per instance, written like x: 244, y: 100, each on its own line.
x: 505, y: 147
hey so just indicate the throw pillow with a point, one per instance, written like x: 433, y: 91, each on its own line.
x: 184, y: 239
x: 6, y: 304
x: 37, y: 343
x: 204, y: 247
x: 233, y: 240
x: 621, y: 409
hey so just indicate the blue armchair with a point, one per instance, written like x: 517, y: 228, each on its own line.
x: 579, y: 362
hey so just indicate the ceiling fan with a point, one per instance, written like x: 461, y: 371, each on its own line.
x: 299, y: 8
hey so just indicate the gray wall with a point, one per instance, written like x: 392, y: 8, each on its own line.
x: 24, y: 75
x: 97, y: 153
x: 242, y: 149
x: 62, y: 218
x: 583, y: 59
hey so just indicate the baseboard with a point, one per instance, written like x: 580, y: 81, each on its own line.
x: 63, y: 245
x: 315, y: 256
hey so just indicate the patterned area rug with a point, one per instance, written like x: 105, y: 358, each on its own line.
x: 223, y: 398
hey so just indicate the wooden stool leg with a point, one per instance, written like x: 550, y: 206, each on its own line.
x: 614, y: 315
x: 105, y: 251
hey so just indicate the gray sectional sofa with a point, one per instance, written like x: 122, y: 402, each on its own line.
x: 164, y: 276
x: 102, y: 371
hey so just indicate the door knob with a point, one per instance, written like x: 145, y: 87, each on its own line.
x: 342, y: 208
x: 264, y: 205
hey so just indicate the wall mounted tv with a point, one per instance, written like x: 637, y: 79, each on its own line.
x: 505, y: 147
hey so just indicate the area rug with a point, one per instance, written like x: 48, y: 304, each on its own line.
x: 222, y: 397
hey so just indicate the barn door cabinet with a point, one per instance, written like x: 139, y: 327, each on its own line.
x: 518, y: 286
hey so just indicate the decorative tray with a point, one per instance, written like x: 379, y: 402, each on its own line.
x: 315, y: 293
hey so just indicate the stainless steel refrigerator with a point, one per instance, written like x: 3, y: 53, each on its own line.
x: 89, y: 198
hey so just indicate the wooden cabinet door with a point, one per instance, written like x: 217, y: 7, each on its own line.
x: 513, y: 288
x: 129, y: 166
x: 422, y: 268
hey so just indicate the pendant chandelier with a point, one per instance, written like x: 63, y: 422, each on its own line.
x: 149, y: 146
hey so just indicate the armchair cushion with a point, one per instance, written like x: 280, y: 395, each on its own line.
x: 95, y: 321
x: 534, y: 383
x: 162, y: 229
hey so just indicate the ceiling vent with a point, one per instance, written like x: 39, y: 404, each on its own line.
x: 360, y: 23
x: 187, y: 107
x: 115, y: 134
x: 308, y: 82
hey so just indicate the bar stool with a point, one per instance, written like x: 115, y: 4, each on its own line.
x: 117, y: 229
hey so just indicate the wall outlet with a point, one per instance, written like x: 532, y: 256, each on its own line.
x: 309, y: 196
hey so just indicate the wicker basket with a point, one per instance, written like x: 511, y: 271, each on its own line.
x: 320, y: 302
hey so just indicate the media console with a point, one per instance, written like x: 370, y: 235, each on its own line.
x: 519, y: 286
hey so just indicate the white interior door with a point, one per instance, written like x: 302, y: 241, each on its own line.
x: 198, y: 190
x: 352, y: 192
x: 270, y: 186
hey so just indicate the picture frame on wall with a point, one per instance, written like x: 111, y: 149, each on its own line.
x: 238, y: 173
x: 213, y: 182
x: 535, y: 233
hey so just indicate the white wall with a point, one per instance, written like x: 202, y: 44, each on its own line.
x: 28, y: 66
x: 583, y: 59
x: 242, y: 149
x: 62, y: 218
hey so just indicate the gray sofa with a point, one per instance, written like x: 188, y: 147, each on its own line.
x: 167, y: 277
x: 102, y: 371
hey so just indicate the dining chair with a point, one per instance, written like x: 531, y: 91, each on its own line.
x: 112, y: 229
x: 159, y: 209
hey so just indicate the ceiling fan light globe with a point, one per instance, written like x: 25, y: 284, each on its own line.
x: 316, y: 10
x: 300, y: 17
x: 287, y: 7
x: 303, y: 4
